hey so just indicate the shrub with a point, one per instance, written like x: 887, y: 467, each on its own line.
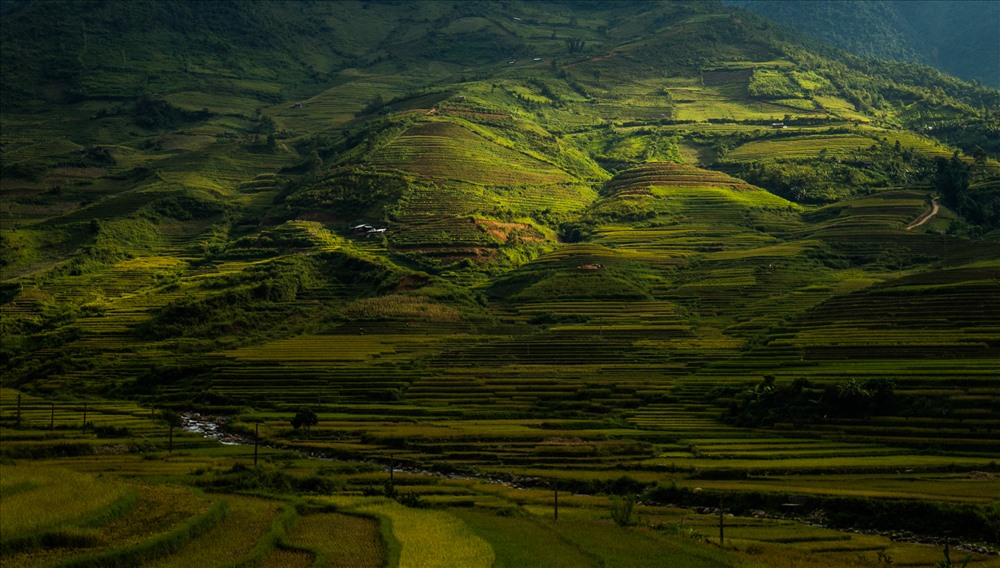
x: 622, y: 509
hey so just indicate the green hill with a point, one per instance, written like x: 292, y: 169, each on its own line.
x: 960, y: 38
x: 664, y: 249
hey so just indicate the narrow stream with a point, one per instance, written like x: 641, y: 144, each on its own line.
x: 206, y: 427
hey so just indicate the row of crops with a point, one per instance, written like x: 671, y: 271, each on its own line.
x: 616, y: 355
x: 153, y: 517
x: 657, y: 358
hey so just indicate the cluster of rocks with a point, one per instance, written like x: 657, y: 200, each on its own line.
x: 213, y: 427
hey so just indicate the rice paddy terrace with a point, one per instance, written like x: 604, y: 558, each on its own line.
x: 662, y: 252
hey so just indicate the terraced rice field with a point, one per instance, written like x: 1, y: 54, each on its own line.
x: 727, y: 102
x: 233, y: 539
x: 598, y: 360
x: 443, y: 151
x: 660, y: 355
x: 341, y: 541
x: 808, y: 146
x: 666, y: 174
x: 107, y: 516
x: 430, y: 538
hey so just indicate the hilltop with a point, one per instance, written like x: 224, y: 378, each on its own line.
x: 547, y: 241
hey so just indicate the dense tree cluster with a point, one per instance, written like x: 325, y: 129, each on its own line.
x: 800, y: 401
x: 836, y: 177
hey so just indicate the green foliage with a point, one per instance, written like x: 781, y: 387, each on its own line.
x: 947, y: 563
x: 933, y: 32
x: 951, y: 180
x: 154, y: 113
x: 261, y: 294
x: 375, y: 106
x: 605, y: 285
x: 622, y: 510
x: 23, y: 170
x: 172, y: 418
x: 801, y: 402
x: 305, y: 419
x: 772, y: 84
x: 830, y: 179
x: 575, y: 45
x: 267, y: 479
x: 619, y: 150
x: 470, y: 48
x: 186, y: 206
x: 919, y: 517
x: 352, y: 192
x: 981, y: 131
x: 114, y: 240
x: 17, y: 248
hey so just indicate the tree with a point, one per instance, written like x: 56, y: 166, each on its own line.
x: 305, y: 419
x: 314, y: 163
x: 373, y: 106
x: 979, y: 156
x: 951, y: 179
x: 173, y: 420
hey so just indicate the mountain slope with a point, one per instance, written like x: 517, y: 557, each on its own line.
x: 960, y: 38
x: 536, y: 239
x: 479, y: 138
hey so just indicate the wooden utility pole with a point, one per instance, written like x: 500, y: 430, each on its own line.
x: 256, y: 441
x: 555, y: 500
x: 721, y: 524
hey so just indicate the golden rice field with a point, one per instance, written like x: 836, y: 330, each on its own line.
x: 429, y: 538
x: 341, y: 541
x: 38, y: 499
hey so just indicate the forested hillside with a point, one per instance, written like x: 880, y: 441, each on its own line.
x: 961, y: 38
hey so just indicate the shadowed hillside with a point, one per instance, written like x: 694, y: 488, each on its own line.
x: 960, y: 38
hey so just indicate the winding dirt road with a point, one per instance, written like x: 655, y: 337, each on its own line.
x: 925, y: 216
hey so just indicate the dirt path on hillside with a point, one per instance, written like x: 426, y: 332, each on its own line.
x: 608, y: 55
x: 925, y: 216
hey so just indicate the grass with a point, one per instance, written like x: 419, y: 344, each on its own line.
x: 246, y: 522
x: 139, y: 523
x: 634, y: 548
x: 430, y: 538
x: 341, y: 540
x: 38, y: 504
x: 524, y: 541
